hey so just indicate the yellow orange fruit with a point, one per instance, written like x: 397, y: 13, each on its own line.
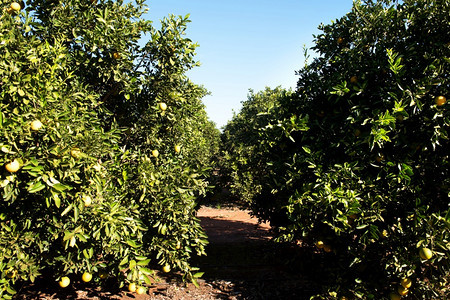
x: 15, y: 6
x: 140, y: 290
x: 116, y: 55
x: 425, y: 253
x: 177, y: 148
x: 86, y: 277
x: 162, y: 106
x: 36, y: 125
x: 406, y: 283
x: 155, y: 153
x: 353, y: 79
x: 13, y: 166
x: 402, y: 291
x: 320, y: 244
x: 440, y: 100
x: 340, y: 40
x: 132, y: 287
x: 166, y: 269
x: 64, y: 282
x: 87, y: 200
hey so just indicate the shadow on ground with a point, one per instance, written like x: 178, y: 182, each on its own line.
x: 243, y: 263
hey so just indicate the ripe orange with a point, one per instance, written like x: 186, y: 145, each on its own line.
x: 116, y: 55
x: 64, y: 282
x: 402, y: 291
x: 87, y: 200
x: 162, y: 106
x: 132, y: 287
x: 140, y: 290
x: 13, y: 166
x: 425, y: 253
x: 15, y: 6
x: 440, y: 100
x: 155, y: 153
x: 177, y: 148
x: 320, y: 244
x: 36, y: 125
x: 353, y: 79
x: 166, y: 269
x: 340, y: 40
x: 178, y: 247
x: 86, y: 277
x: 406, y: 283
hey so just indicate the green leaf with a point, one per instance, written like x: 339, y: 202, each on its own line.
x: 38, y: 186
x: 68, y: 208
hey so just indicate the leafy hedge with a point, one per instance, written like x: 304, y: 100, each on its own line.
x: 109, y: 140
x: 355, y: 161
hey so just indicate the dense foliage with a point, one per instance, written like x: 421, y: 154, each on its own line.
x: 356, y: 159
x: 105, y: 144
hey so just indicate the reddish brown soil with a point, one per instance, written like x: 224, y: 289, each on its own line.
x: 242, y: 263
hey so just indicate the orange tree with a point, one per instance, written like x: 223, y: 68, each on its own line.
x: 103, y: 144
x: 355, y: 161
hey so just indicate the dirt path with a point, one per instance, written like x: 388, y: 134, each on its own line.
x: 242, y: 263
x: 232, y: 225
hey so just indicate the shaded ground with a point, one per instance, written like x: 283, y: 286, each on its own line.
x: 242, y: 263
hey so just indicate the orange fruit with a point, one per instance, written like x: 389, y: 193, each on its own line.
x: 140, y: 290
x: 132, y: 287
x: 440, y: 100
x: 402, y: 291
x: 15, y: 6
x: 36, y: 125
x: 320, y: 244
x: 353, y: 79
x: 64, y: 282
x: 13, y: 166
x: 425, y: 253
x: 162, y: 106
x: 166, y: 269
x: 116, y: 55
x: 406, y: 283
x: 340, y: 40
x: 155, y: 153
x: 87, y: 200
x: 86, y: 277
x: 177, y: 148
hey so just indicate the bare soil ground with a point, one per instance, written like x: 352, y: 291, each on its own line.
x: 242, y: 263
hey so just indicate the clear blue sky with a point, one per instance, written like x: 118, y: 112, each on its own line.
x: 247, y: 44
